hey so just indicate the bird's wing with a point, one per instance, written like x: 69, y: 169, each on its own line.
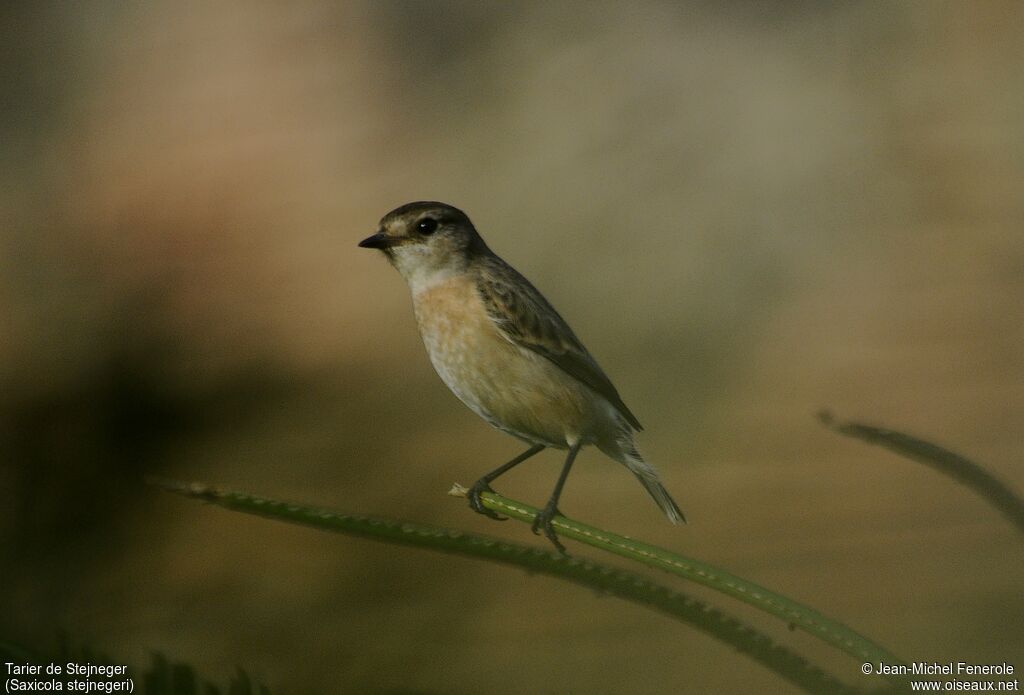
x: 526, y: 319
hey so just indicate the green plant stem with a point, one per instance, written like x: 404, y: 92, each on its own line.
x: 958, y: 467
x: 604, y: 579
x: 796, y: 614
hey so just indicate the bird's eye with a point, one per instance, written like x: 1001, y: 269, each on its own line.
x: 428, y: 225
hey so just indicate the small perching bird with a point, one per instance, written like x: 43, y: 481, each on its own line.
x: 506, y: 353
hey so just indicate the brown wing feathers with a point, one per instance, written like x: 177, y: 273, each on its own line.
x: 528, y: 320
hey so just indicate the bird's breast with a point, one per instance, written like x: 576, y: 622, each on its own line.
x: 464, y: 345
x: 511, y: 387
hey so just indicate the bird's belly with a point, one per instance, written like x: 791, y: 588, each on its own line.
x: 512, y: 388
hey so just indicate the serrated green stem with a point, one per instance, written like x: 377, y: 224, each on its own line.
x: 794, y: 613
x: 959, y: 468
x: 620, y: 583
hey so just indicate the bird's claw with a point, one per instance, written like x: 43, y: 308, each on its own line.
x: 543, y: 522
x: 477, y: 504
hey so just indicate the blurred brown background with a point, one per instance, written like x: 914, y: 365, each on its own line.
x: 748, y: 211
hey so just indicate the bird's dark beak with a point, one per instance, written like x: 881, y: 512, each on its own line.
x: 380, y: 240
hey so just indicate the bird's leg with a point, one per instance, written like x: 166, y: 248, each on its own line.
x: 484, y: 484
x: 543, y: 519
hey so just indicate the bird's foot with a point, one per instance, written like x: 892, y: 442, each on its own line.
x: 477, y: 504
x: 543, y: 522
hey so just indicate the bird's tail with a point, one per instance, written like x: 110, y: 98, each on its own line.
x: 625, y: 453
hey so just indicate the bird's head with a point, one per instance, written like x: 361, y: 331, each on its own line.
x: 426, y: 240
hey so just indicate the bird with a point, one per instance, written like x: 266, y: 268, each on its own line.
x: 505, y: 352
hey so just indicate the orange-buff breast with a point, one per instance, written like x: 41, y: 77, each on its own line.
x: 511, y: 387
